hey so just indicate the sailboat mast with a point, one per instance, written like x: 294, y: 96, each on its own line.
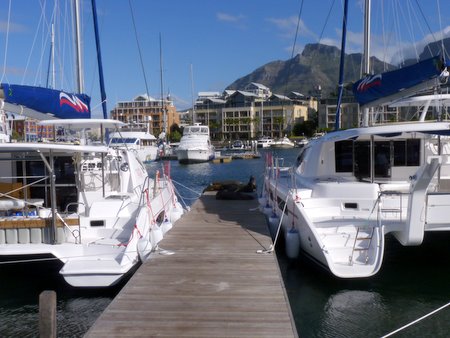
x: 163, y: 106
x: 99, y: 61
x: 53, y: 57
x: 341, y: 67
x: 367, y: 6
x: 192, y: 95
x: 78, y: 51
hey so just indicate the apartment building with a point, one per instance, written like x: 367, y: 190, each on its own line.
x: 252, y: 112
x: 147, y: 113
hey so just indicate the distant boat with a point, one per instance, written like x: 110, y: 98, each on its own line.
x: 195, y: 145
x: 142, y: 142
x: 302, y: 142
x: 264, y: 142
x: 284, y: 142
x: 238, y: 144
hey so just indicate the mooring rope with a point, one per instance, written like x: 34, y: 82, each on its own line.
x: 416, y: 321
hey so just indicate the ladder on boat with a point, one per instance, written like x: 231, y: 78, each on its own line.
x: 362, y: 243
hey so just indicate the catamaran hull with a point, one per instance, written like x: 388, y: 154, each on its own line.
x: 347, y: 246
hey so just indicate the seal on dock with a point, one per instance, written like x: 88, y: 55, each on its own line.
x: 233, y: 190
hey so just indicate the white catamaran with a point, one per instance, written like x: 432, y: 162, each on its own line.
x: 94, y: 208
x: 350, y: 188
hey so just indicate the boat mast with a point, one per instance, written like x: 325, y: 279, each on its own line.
x: 104, y: 136
x: 366, y: 60
x: 99, y: 61
x: 341, y: 67
x: 78, y: 51
x: 163, y: 106
x: 51, y: 61
x: 192, y: 94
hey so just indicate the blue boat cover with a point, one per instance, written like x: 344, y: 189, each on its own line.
x: 61, y: 104
x: 374, y: 87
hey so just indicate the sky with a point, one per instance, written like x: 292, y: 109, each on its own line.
x: 192, y: 46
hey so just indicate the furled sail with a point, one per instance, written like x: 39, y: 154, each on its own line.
x: 384, y: 87
x: 48, y: 101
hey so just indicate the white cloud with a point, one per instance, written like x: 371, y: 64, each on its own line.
x: 229, y: 18
x: 13, y: 27
x: 288, y: 26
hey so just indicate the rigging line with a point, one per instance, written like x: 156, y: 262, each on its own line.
x: 297, y: 29
x: 428, y: 26
x: 40, y: 24
x: 139, y: 48
x: 290, y: 68
x: 323, y: 28
x: 444, y: 52
x: 326, y: 21
x: 411, y: 25
x: 6, y: 41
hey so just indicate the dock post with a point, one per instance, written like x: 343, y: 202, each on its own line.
x: 47, y: 314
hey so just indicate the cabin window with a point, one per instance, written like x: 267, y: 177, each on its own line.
x: 413, y: 152
x: 407, y: 153
x: 382, y: 159
x: 344, y: 156
x: 399, y: 153
x: 66, y: 191
x: 350, y: 205
x: 362, y: 159
x: 99, y: 223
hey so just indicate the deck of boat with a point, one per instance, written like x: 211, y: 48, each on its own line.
x: 215, y: 284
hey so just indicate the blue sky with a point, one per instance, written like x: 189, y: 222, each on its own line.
x: 219, y: 40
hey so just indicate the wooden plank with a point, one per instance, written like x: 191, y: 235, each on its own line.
x: 32, y: 223
x: 213, y: 284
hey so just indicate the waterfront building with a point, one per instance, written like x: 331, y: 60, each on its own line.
x: 252, y: 112
x: 148, y: 113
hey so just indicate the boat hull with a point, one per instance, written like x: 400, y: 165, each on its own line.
x: 189, y: 156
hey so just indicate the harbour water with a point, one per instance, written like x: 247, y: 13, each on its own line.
x: 413, y: 281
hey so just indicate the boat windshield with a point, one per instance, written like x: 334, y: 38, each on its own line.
x: 196, y: 130
x: 128, y: 140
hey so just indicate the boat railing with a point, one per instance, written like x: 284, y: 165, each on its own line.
x: 396, y: 207
x: 76, y: 233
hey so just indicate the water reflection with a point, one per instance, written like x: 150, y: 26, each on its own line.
x: 412, y: 282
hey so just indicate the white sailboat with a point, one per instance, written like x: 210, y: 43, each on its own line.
x: 350, y: 188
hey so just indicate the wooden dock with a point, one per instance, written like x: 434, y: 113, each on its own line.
x: 215, y: 284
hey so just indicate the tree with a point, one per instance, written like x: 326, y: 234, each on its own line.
x: 307, y: 128
x: 175, y: 128
x: 175, y: 136
x: 175, y: 133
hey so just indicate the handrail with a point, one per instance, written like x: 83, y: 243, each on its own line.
x: 77, y: 238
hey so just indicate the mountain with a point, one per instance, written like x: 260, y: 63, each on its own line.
x: 317, y: 65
